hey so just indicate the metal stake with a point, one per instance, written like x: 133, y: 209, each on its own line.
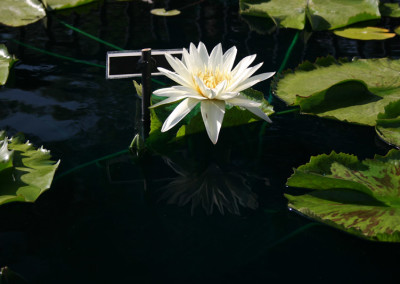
x: 146, y: 90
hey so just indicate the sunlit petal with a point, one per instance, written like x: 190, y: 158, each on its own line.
x: 179, y: 113
x: 243, y: 102
x: 253, y: 80
x: 213, y: 112
x: 174, y: 77
x: 215, y: 59
x: 257, y: 111
x: 168, y: 101
x: 229, y: 59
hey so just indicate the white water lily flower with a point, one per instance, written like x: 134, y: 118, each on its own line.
x: 211, y: 81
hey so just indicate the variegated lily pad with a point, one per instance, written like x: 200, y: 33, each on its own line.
x: 388, y: 124
x: 362, y: 198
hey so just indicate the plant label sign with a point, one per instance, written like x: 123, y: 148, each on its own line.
x: 127, y: 64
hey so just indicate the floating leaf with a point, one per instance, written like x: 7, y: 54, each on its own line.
x: 6, y: 62
x: 25, y: 172
x: 289, y: 15
x: 322, y: 14
x: 366, y: 33
x: 390, y: 10
x: 164, y: 13
x: 388, y: 124
x: 397, y: 30
x: 354, y: 91
x: 21, y: 12
x: 362, y: 198
x: 65, y: 4
x: 329, y: 15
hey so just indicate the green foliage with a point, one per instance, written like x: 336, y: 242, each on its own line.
x: 23, y: 12
x: 65, y: 4
x: 20, y: 13
x: 138, y: 88
x: 164, y: 13
x: 388, y: 124
x: 364, y: 33
x: 290, y: 15
x: 354, y: 91
x: 390, y: 10
x: 321, y: 14
x: 6, y: 62
x: 362, y: 198
x: 25, y: 172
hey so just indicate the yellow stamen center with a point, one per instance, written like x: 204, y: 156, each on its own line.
x: 211, y: 78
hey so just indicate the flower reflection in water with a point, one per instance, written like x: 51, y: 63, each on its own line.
x: 226, y: 190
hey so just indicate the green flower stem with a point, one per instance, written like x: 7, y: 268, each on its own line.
x: 284, y: 62
x: 84, y: 165
x: 90, y: 36
x: 57, y: 55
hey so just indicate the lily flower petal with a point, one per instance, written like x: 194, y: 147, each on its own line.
x: 243, y: 102
x: 253, y: 80
x: 179, y: 113
x: 215, y: 59
x: 229, y: 59
x: 257, y: 111
x: 168, y: 101
x: 213, y: 112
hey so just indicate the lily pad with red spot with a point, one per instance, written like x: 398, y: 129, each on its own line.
x: 359, y: 197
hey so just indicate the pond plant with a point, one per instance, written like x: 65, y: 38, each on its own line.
x: 357, y: 196
x: 210, y: 81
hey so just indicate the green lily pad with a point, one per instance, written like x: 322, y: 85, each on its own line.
x: 361, y: 198
x: 65, y: 4
x: 6, y: 62
x: 365, y: 33
x: 25, y: 172
x: 164, y: 13
x: 390, y: 10
x: 388, y: 124
x: 289, y: 15
x: 20, y: 13
x: 354, y: 91
x: 322, y: 14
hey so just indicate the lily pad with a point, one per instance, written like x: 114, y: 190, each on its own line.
x: 322, y: 14
x: 164, y: 13
x: 365, y: 33
x: 65, y: 4
x: 390, y: 10
x: 388, y: 124
x: 6, y: 62
x: 361, y: 198
x: 354, y: 91
x: 20, y: 13
x: 290, y: 15
x: 25, y: 172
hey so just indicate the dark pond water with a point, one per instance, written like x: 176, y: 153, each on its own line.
x: 114, y: 220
